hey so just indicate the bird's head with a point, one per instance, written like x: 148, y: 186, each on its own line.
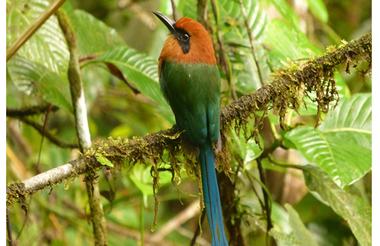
x: 188, y: 42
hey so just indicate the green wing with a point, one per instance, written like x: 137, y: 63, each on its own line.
x: 193, y: 92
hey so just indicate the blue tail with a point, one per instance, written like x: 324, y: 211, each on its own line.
x: 211, y: 196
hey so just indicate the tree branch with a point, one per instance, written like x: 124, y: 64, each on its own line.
x: 83, y: 131
x: 33, y: 110
x: 286, y: 90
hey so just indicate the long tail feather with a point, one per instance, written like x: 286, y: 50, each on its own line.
x: 211, y: 196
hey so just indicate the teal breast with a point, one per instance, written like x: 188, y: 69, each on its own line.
x: 193, y: 92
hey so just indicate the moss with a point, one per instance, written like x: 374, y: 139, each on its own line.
x: 288, y: 87
x: 16, y: 192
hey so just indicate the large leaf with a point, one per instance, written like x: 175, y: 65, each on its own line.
x: 352, y: 115
x: 47, y: 46
x: 290, y: 17
x: 354, y: 209
x: 289, y: 229
x: 232, y: 14
x: 239, y: 21
x: 188, y: 8
x: 30, y: 76
x: 285, y: 43
x: 141, y: 71
x: 40, y: 65
x: 300, y: 231
x: 141, y: 177
x: 341, y: 146
x: 235, y: 37
x: 93, y: 36
x: 318, y: 9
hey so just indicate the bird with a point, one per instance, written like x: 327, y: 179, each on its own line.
x: 190, y: 81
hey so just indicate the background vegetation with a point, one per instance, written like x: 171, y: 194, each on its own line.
x: 317, y: 179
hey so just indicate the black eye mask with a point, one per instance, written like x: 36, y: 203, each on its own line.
x: 183, y: 39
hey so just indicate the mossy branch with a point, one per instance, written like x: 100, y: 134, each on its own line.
x: 286, y: 90
x: 83, y: 131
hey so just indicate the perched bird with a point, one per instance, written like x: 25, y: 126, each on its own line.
x: 190, y: 81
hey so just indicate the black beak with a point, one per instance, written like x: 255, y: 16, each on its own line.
x: 167, y: 21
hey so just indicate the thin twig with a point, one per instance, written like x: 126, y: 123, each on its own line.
x: 286, y: 165
x: 254, y: 189
x: 189, y: 234
x: 223, y: 61
x: 9, y: 229
x: 198, y: 230
x: 251, y: 42
x: 44, y: 128
x: 33, y: 110
x: 33, y: 28
x: 53, y: 139
x: 267, y: 202
x: 174, y: 11
x: 179, y: 219
x: 202, y: 12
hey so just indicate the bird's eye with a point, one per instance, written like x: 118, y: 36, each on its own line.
x: 185, y: 37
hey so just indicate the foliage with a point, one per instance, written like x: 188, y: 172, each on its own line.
x: 259, y: 37
x: 351, y: 207
x: 334, y: 145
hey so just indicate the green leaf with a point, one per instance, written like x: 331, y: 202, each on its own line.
x: 287, y: 13
x: 41, y: 63
x: 318, y: 9
x: 121, y: 131
x: 103, y: 160
x: 235, y: 29
x: 234, y: 20
x: 248, y: 150
x: 286, y: 43
x: 352, y: 115
x: 93, y: 36
x: 188, y: 8
x: 29, y: 76
x: 354, y: 209
x: 141, y: 177
x: 289, y: 229
x: 48, y: 45
x: 299, y: 229
x: 139, y: 70
x: 341, y: 146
